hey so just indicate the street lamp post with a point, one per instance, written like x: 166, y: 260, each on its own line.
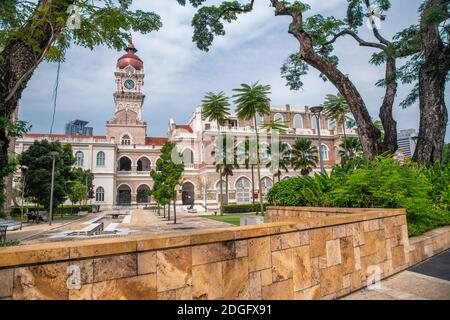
x: 316, y: 111
x: 24, y: 170
x: 53, y: 154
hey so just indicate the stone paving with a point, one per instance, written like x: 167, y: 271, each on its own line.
x: 141, y: 222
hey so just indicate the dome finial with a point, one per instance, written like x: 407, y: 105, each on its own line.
x: 131, y: 48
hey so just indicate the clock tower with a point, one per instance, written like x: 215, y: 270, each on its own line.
x: 126, y: 126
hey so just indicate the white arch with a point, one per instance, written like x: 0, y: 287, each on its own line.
x: 298, y: 121
x: 217, y: 186
x: 124, y: 184
x: 327, y: 151
x: 240, y: 177
x: 278, y: 117
x: 100, y: 194
x: 192, y: 153
x: 79, y: 155
x: 100, y: 158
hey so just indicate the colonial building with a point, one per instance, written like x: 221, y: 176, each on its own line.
x: 122, y: 159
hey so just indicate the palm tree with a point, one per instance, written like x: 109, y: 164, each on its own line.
x: 336, y: 108
x: 284, y: 160
x: 352, y: 148
x: 252, y: 100
x: 303, y: 156
x: 245, y: 157
x: 216, y: 107
x: 225, y: 168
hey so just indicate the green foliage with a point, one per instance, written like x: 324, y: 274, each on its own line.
x: 446, y: 155
x: 106, y: 22
x: 251, y: 100
x: 216, y: 107
x: 241, y: 208
x: 350, y: 148
x: 38, y: 175
x: 167, y: 174
x: 382, y: 183
x: 9, y: 243
x: 77, y: 192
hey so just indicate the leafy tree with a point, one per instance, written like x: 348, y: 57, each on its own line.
x: 216, y: 107
x: 39, y: 162
x: 316, y: 35
x: 253, y: 100
x: 166, y: 177
x: 350, y: 149
x: 225, y: 166
x: 76, y: 192
x: 86, y: 178
x: 303, y: 156
x: 31, y: 31
x: 284, y: 160
x: 428, y: 48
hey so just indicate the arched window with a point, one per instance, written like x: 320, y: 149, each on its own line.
x: 143, y: 164
x: 100, y: 194
x: 243, y: 190
x: 266, y: 184
x: 188, y: 156
x: 101, y: 158
x: 314, y: 122
x: 79, y: 155
x: 278, y: 117
x: 188, y: 193
x: 124, y: 164
x: 298, y: 121
x: 142, y: 195
x: 126, y: 140
x: 324, y: 149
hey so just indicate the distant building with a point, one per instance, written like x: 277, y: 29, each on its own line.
x: 406, y: 142
x: 78, y: 127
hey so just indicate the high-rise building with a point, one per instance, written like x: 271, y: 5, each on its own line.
x: 406, y: 142
x: 78, y: 127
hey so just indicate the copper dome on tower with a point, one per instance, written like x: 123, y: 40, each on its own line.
x: 130, y: 59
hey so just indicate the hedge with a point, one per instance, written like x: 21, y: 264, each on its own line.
x: 242, y: 208
x: 66, y: 209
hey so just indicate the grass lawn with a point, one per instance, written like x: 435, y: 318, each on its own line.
x: 56, y: 217
x: 233, y: 218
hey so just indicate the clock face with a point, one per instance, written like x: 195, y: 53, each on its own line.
x: 129, y: 84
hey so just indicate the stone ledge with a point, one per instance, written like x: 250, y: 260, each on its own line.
x: 53, y: 252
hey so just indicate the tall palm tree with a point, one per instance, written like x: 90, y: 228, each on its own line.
x: 253, y: 100
x: 303, y: 156
x: 284, y: 160
x: 336, y: 108
x: 216, y: 107
x: 352, y: 148
x: 244, y: 157
x: 225, y: 168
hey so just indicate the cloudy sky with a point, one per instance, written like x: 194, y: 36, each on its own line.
x: 178, y: 74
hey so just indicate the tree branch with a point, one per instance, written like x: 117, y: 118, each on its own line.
x: 358, y: 39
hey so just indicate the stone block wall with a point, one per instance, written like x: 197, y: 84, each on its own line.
x: 317, y: 258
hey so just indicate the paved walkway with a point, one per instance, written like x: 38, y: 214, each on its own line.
x: 141, y: 222
x: 427, y: 280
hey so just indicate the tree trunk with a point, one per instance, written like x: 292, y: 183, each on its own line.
x: 175, y: 209
x: 432, y: 76
x: 226, y: 189
x: 253, y: 183
x: 168, y: 211
x: 220, y: 172
x: 20, y: 58
x: 433, y: 114
x: 258, y: 165
x: 164, y: 211
x: 389, y: 124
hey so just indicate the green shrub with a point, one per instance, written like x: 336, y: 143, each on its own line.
x: 9, y: 243
x: 241, y: 208
x: 66, y: 209
x: 382, y: 183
